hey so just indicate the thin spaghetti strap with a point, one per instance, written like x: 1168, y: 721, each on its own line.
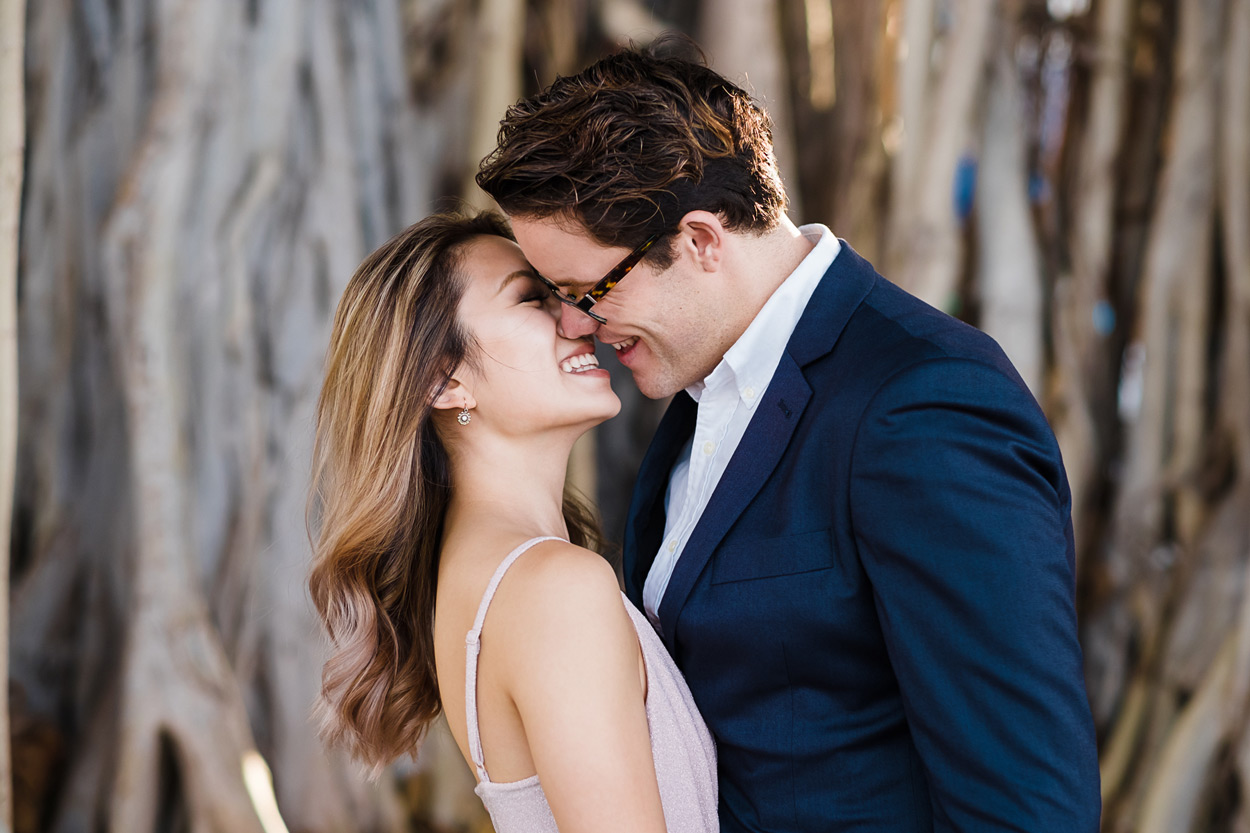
x: 473, y: 648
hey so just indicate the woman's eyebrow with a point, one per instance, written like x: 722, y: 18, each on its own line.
x: 520, y: 273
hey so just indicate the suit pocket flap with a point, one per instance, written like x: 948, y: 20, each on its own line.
x: 800, y: 552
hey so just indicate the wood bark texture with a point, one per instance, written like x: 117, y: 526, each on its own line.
x: 1081, y: 351
x: 744, y: 43
x: 201, y: 183
x: 1009, y: 268
x: 926, y: 244
x: 12, y: 145
x: 201, y: 179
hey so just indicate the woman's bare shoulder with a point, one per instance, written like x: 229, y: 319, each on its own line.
x: 557, y: 589
x: 555, y: 567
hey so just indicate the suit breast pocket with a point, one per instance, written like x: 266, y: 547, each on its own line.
x: 744, y: 559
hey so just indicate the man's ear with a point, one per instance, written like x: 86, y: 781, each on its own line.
x: 703, y: 239
x: 455, y: 397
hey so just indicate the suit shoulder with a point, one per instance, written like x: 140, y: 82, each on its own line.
x: 893, y: 331
x: 926, y: 330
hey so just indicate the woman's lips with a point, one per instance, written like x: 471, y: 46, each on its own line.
x: 580, y: 363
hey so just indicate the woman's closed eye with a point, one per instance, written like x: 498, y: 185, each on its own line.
x: 532, y: 290
x: 539, y: 293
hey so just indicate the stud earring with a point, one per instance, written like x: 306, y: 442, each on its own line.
x: 464, y: 416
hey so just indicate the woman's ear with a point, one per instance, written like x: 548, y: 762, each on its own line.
x: 455, y: 396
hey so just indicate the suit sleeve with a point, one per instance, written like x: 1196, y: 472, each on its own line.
x: 961, y: 514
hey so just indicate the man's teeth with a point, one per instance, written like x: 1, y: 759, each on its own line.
x: 626, y: 344
x: 579, y: 364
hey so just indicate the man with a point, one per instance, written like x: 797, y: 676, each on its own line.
x: 852, y: 529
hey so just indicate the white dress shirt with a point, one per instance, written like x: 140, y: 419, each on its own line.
x: 727, y: 399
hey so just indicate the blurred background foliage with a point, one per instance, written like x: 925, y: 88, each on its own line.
x: 199, y: 180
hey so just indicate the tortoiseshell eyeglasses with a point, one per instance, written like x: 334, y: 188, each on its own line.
x: 595, y: 293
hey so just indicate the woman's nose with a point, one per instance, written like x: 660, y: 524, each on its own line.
x: 576, y: 324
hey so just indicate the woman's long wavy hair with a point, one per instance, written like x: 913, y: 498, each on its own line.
x: 381, y: 482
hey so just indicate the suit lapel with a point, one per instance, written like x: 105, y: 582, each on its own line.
x: 844, y: 286
x: 645, y: 529
x: 758, y: 453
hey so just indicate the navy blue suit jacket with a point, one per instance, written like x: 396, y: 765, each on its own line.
x: 875, y: 613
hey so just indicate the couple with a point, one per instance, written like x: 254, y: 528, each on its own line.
x: 849, y: 557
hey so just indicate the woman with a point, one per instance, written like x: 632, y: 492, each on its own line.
x: 451, y: 568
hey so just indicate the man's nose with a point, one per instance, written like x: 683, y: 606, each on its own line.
x: 576, y: 324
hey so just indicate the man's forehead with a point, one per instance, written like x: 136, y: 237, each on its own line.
x: 555, y: 228
x: 561, y: 250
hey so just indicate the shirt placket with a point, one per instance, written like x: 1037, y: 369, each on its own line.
x: 721, y: 404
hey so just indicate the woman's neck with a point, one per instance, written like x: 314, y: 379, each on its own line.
x: 499, y: 483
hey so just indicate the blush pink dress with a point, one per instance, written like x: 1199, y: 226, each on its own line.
x: 685, y: 758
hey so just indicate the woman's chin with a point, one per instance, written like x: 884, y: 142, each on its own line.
x: 616, y: 409
x: 578, y: 413
x: 597, y: 399
x: 602, y: 415
x: 597, y: 416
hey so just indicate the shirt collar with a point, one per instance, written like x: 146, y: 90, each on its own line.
x: 750, y: 362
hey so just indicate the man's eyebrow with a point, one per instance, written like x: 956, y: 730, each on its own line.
x: 520, y: 273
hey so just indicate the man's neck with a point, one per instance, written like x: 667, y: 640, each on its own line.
x: 767, y: 260
x: 787, y: 246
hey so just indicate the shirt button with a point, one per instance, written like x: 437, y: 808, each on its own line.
x: 708, y: 448
x: 672, y: 545
x: 748, y: 392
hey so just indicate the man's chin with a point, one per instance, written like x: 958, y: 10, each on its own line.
x: 656, y: 388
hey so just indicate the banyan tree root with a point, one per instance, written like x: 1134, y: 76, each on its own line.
x: 183, y: 735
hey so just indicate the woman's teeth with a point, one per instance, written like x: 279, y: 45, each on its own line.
x: 626, y: 344
x: 579, y: 364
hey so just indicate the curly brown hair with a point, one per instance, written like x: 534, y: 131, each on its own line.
x: 631, y: 144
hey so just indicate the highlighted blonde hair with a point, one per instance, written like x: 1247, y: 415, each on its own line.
x: 381, y: 483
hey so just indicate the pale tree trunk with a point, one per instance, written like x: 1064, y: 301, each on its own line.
x: 1115, y: 394
x: 743, y: 42
x: 1080, y: 350
x: 500, y: 36
x: 181, y: 703
x: 626, y: 21
x: 925, y: 236
x: 842, y: 64
x: 12, y: 142
x: 1235, y: 379
x: 1175, y: 561
x: 915, y: 22
x: 233, y: 173
x: 1009, y: 269
x: 560, y: 23
x: 1165, y: 438
x: 840, y: 57
x: 1183, y: 768
x: 864, y: 68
